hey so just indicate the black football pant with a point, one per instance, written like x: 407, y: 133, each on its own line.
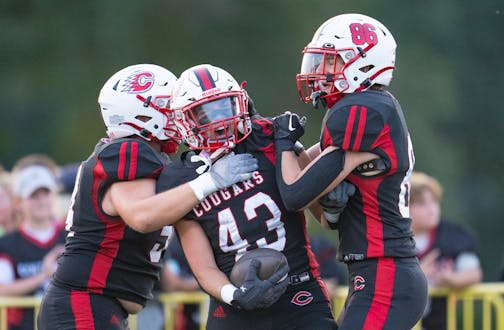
x: 66, y: 309
x: 302, y: 306
x: 384, y: 293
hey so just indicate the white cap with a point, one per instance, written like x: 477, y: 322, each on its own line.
x: 31, y: 178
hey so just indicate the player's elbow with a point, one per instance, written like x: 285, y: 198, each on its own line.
x: 140, y: 223
x: 292, y: 203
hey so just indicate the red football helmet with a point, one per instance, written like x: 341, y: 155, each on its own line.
x: 348, y: 53
x: 210, y: 109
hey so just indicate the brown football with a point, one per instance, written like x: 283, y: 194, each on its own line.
x: 271, y: 260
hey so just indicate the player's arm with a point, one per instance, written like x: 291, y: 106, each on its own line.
x: 199, y: 255
x: 304, y: 158
x: 253, y: 292
x: 300, y: 187
x: 145, y: 211
x: 137, y: 203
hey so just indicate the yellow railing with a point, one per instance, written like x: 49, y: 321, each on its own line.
x: 485, y: 300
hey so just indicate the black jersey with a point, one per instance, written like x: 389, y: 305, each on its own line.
x: 25, y: 253
x: 249, y: 214
x: 103, y: 254
x: 376, y: 221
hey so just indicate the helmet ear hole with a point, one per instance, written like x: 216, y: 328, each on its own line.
x: 143, y: 118
x: 366, y: 68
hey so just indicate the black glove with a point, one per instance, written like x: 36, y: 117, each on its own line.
x: 256, y: 293
x: 273, y: 294
x: 335, y: 201
x: 288, y: 129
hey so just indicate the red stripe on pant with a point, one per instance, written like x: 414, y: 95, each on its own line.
x: 81, y: 308
x: 384, y: 288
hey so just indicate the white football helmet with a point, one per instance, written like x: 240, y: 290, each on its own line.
x: 136, y: 100
x: 210, y: 109
x: 348, y: 53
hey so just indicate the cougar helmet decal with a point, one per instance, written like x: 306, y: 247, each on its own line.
x: 348, y: 53
x: 136, y: 100
x: 210, y: 109
x: 138, y: 83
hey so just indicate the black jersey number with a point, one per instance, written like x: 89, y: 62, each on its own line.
x: 228, y: 228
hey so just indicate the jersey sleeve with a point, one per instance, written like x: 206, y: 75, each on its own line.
x: 352, y: 127
x: 129, y: 160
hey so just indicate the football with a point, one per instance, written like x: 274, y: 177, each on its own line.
x: 271, y: 260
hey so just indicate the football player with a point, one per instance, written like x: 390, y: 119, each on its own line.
x: 211, y: 111
x: 364, y: 139
x: 117, y: 226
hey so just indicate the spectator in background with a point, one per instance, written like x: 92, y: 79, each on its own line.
x: 447, y: 251
x: 332, y: 271
x: 8, y: 218
x: 177, y: 276
x: 28, y: 255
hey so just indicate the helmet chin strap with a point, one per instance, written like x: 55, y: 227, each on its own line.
x: 221, y: 151
x: 317, y: 98
x: 169, y: 147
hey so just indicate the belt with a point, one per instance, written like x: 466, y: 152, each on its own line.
x: 299, y: 278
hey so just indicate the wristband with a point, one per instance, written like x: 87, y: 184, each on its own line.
x: 203, y: 186
x: 332, y: 217
x: 298, y: 148
x: 284, y: 145
x: 227, y: 293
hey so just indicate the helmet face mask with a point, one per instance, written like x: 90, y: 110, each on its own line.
x: 364, y: 48
x: 135, y: 101
x: 210, y: 108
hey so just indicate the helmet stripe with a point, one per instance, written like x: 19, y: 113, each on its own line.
x: 204, y: 78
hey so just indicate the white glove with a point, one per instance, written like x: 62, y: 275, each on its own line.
x: 228, y: 170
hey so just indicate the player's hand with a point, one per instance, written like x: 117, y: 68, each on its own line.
x: 289, y: 126
x: 273, y: 294
x: 256, y: 293
x: 223, y: 173
x: 232, y: 168
x: 335, y: 201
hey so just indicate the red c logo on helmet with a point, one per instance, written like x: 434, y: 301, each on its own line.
x: 138, y: 83
x: 302, y: 298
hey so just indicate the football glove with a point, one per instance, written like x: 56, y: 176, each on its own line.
x: 256, y: 293
x: 226, y: 171
x: 289, y: 128
x: 335, y: 201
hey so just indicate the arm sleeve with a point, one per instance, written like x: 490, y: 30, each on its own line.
x: 130, y: 159
x: 316, y: 179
